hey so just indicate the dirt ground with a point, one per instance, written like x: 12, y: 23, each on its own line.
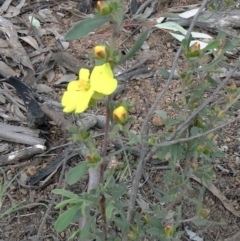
x: 24, y: 224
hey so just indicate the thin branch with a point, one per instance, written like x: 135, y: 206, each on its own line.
x: 182, y: 127
x: 144, y: 130
x: 181, y: 140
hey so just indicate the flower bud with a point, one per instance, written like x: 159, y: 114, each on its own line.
x: 132, y: 236
x: 151, y: 141
x: 204, y: 212
x: 120, y: 115
x: 168, y: 230
x: 195, y: 50
x: 83, y: 133
x: 93, y: 157
x: 100, y: 52
x: 194, y: 165
x: 207, y: 150
x: 199, y: 148
x: 104, y: 8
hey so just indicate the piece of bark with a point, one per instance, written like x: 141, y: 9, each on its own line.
x: 67, y: 61
x: 21, y: 138
x: 16, y: 156
x: 19, y: 129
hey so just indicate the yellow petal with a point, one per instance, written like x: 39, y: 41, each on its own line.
x: 102, y: 80
x: 84, y: 74
x: 73, y: 85
x: 83, y: 101
x: 69, y: 101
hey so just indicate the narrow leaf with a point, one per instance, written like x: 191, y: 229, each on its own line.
x: 211, y: 46
x: 138, y: 44
x: 212, y: 64
x: 64, y: 193
x: 165, y: 74
x: 86, y: 26
x: 172, y: 26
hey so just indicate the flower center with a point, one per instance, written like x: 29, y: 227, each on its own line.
x: 83, y: 85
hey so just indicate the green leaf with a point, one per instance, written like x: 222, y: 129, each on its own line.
x: 65, y: 193
x: 68, y: 201
x: 175, y: 106
x: 119, y: 190
x: 165, y: 74
x: 154, y: 231
x: 200, y: 222
x: 162, y: 114
x: 76, y: 173
x: 154, y: 221
x: 194, y: 131
x: 138, y: 44
x: 73, y: 129
x: 109, y: 210
x: 211, y: 46
x: 221, y: 36
x: 74, y: 235
x: 186, y: 43
x: 172, y: 26
x: 85, y: 231
x: 212, y: 64
x: 172, y: 122
x: 66, y: 218
x: 167, y: 198
x: 86, y: 26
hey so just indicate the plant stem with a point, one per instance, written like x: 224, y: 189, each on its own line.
x: 102, y: 167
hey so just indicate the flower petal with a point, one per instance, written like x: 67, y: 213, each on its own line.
x: 83, y: 101
x: 73, y: 85
x: 69, y: 101
x: 84, y: 74
x: 102, y: 80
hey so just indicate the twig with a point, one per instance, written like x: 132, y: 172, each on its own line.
x: 182, y: 127
x: 144, y: 130
x: 181, y: 140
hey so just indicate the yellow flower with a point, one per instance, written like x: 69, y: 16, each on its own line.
x: 80, y: 92
x: 120, y: 115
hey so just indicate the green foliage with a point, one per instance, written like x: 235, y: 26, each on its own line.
x: 86, y: 26
x: 77, y: 172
